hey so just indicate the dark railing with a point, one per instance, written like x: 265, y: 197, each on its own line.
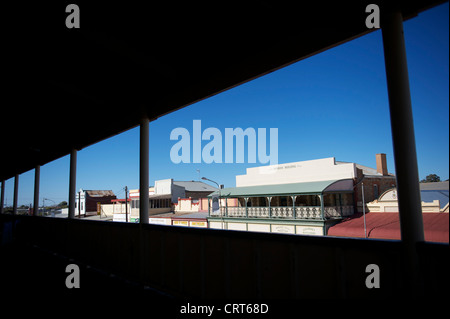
x: 222, y: 263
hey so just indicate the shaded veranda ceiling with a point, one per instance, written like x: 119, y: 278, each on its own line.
x: 69, y: 88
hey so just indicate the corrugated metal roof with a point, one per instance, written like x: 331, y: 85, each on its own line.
x: 369, y: 171
x: 434, y: 186
x: 195, y: 186
x: 431, y: 195
x: 99, y: 193
x: 160, y: 196
x: 387, y: 226
x: 316, y: 187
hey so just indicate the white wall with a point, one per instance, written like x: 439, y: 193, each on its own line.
x: 116, y: 208
x: 297, y: 172
x: 186, y: 205
x: 163, y: 186
x: 166, y: 186
x: 274, y: 228
x: 177, y: 191
x: 81, y: 201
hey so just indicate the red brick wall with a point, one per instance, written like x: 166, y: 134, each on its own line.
x: 383, y: 183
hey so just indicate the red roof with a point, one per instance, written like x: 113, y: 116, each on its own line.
x: 120, y: 200
x: 387, y: 226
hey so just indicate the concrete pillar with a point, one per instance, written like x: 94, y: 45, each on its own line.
x: 16, y: 193
x: 402, y: 128
x: 72, y: 182
x: 143, y: 171
x: 411, y: 221
x: 37, y: 174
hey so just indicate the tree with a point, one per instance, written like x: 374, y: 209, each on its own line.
x: 63, y: 204
x: 432, y: 178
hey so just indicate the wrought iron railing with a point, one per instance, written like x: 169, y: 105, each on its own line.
x: 282, y: 212
x: 236, y: 211
x: 258, y: 212
x: 308, y: 212
x: 337, y: 211
x: 301, y: 212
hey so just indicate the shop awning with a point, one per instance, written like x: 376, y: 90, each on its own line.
x: 306, y: 188
x: 160, y: 196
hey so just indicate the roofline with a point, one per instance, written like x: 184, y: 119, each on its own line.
x: 285, y: 194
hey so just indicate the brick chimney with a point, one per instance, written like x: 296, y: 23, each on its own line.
x: 381, y: 164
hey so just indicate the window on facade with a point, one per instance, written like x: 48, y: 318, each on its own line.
x: 375, y: 191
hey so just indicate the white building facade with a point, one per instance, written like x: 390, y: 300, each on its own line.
x: 304, y: 197
x: 305, y: 171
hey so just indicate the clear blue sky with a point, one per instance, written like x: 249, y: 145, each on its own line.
x: 333, y: 104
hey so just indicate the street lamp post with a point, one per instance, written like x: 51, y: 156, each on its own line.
x: 44, y: 199
x: 364, y: 210
x: 363, y: 205
x: 220, y: 208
